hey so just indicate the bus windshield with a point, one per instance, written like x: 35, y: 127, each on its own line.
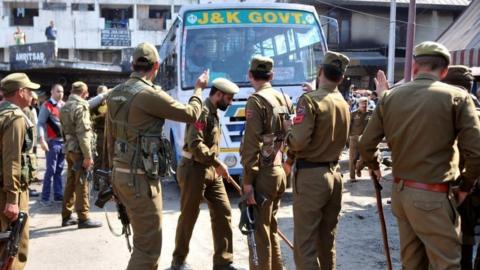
x: 224, y: 42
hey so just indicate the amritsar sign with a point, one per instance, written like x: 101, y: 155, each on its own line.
x: 30, y: 56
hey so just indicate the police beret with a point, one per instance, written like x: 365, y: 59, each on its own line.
x: 225, y: 86
x: 79, y: 86
x: 460, y: 76
x: 261, y: 63
x: 430, y: 48
x: 145, y: 50
x: 15, y: 81
x: 338, y: 60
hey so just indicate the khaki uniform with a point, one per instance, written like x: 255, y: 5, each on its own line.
x: 358, y: 122
x: 77, y: 130
x: 197, y: 179
x: 317, y: 138
x: 98, y: 121
x: 16, y: 136
x: 137, y: 109
x: 265, y: 173
x: 421, y: 121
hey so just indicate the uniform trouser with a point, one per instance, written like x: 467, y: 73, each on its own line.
x: 317, y: 200
x: 142, y: 199
x: 76, y: 189
x: 32, y: 172
x: 271, y: 183
x: 355, y: 161
x: 429, y: 227
x: 55, y: 160
x: 194, y: 186
x: 21, y: 259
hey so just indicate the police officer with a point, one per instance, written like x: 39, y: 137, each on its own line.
x: 316, y: 139
x: 98, y: 121
x: 31, y: 113
x: 421, y: 121
x: 137, y: 110
x: 199, y: 176
x: 78, y: 135
x: 17, y: 136
x: 461, y: 76
x: 261, y: 157
x: 358, y: 121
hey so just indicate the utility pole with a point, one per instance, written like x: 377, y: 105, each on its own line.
x: 410, y: 39
x: 391, y: 44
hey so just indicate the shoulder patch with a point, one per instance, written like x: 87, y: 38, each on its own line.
x: 200, y: 125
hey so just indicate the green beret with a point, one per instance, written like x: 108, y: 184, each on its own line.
x: 79, y: 86
x: 147, y: 51
x: 15, y: 81
x: 460, y: 76
x: 261, y: 63
x: 337, y: 60
x: 430, y: 48
x: 226, y: 86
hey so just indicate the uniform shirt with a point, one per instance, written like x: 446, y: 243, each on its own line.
x: 421, y: 120
x: 151, y: 105
x: 358, y: 121
x: 257, y: 113
x: 320, y: 127
x: 12, y: 136
x: 202, y: 138
x: 77, y: 127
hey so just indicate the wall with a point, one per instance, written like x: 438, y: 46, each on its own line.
x: 83, y: 30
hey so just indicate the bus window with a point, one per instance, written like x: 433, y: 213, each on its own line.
x: 167, y: 74
x: 293, y: 41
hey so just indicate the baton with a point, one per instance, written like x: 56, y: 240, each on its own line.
x: 378, y: 189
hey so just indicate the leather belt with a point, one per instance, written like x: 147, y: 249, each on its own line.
x: 304, y: 164
x: 439, y: 187
x: 126, y: 170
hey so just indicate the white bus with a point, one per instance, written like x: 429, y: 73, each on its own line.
x: 223, y: 38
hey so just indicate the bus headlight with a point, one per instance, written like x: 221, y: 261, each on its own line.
x: 230, y: 161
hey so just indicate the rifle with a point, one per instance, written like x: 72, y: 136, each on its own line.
x: 247, y: 226
x: 239, y: 189
x: 13, y: 240
x: 378, y: 194
x: 106, y: 195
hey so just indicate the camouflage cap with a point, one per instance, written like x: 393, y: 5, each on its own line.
x: 15, y: 81
x: 79, y: 86
x: 261, y: 63
x: 460, y: 76
x: 226, y: 86
x: 337, y: 60
x: 145, y: 50
x: 430, y: 48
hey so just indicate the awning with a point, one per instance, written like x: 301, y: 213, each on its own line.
x: 467, y: 57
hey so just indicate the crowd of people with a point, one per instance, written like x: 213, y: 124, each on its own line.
x: 431, y: 127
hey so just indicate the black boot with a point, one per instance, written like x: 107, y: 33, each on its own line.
x: 87, y: 224
x: 69, y: 221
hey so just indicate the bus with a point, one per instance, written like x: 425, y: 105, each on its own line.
x: 223, y: 38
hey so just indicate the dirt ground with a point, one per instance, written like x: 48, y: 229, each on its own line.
x: 359, y: 242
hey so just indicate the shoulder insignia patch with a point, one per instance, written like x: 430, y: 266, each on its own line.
x: 200, y: 126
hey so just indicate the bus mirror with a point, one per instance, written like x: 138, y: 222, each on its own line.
x: 331, y: 30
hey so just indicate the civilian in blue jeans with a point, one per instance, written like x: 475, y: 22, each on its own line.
x: 51, y: 141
